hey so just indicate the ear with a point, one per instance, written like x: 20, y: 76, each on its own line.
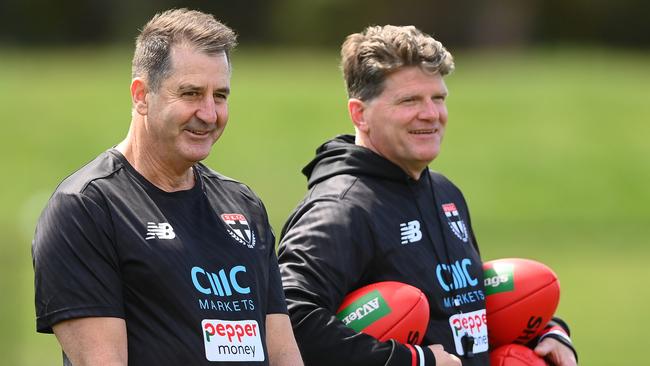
x: 356, y: 109
x: 139, y: 91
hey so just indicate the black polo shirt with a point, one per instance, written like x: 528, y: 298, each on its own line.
x: 193, y: 273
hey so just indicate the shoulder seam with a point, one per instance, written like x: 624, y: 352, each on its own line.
x: 346, y: 190
x: 91, y: 181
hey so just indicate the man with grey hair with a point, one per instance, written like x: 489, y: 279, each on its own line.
x: 146, y: 256
x: 375, y: 212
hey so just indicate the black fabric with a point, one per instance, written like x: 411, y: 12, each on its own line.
x: 104, y: 248
x: 353, y: 229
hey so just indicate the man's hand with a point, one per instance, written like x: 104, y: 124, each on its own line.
x: 555, y: 352
x: 442, y: 357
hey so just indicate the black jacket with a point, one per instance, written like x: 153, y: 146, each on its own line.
x: 364, y: 220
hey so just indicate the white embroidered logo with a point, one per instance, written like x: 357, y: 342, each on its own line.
x: 160, y: 231
x: 410, y: 232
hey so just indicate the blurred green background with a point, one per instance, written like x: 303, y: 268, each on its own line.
x: 548, y: 138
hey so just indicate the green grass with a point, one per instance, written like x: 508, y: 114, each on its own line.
x: 549, y: 146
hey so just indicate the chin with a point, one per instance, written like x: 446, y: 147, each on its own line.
x: 196, y: 156
x: 429, y: 156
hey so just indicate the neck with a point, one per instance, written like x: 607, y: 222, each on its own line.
x: 414, y: 172
x: 166, y: 175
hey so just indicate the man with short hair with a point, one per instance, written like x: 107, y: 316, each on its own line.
x: 375, y: 212
x: 146, y: 256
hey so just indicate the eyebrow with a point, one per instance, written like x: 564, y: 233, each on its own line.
x: 192, y: 87
x: 225, y: 91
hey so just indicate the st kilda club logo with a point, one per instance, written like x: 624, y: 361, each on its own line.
x: 456, y: 224
x: 239, y: 229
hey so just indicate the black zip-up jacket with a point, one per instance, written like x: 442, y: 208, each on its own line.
x: 364, y: 220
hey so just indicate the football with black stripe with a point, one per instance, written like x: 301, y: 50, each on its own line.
x: 521, y: 298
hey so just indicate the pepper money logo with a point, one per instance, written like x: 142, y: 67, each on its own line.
x: 232, y: 340
x: 474, y: 324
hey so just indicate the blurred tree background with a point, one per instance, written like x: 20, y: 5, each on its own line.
x: 548, y: 134
x: 318, y: 23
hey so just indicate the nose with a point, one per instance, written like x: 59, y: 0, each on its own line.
x: 430, y: 110
x: 207, y: 111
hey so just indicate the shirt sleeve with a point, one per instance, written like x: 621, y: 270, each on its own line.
x: 276, y: 300
x: 75, y: 263
x: 325, y: 248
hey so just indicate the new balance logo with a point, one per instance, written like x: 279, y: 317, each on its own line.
x: 410, y: 232
x: 160, y: 231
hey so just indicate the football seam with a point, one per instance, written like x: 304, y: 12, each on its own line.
x: 527, y: 296
x: 404, y: 316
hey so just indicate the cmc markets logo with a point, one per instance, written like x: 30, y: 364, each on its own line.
x: 460, y: 276
x: 220, y: 283
x: 499, y: 278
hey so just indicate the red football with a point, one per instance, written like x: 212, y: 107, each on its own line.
x: 521, y: 297
x: 515, y: 355
x: 387, y: 310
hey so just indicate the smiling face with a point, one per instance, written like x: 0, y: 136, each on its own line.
x: 406, y: 122
x: 189, y: 111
